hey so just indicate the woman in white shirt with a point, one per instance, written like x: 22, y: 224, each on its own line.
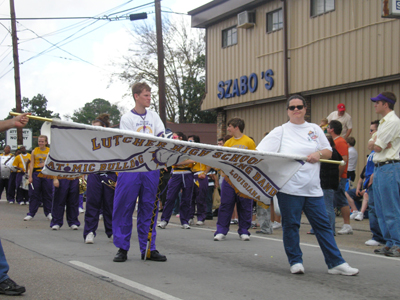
x: 303, y: 191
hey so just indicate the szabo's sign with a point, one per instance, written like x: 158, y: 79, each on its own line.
x: 236, y: 87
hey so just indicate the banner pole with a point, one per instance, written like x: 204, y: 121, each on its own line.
x: 32, y: 117
x: 337, y: 162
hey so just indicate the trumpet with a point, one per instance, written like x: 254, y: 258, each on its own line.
x: 82, y: 185
x: 110, y: 183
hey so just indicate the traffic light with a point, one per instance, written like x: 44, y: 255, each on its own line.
x: 139, y: 16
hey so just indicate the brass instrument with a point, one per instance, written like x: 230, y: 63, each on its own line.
x: 110, y: 183
x: 82, y: 185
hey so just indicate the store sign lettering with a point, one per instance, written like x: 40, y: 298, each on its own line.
x: 236, y: 87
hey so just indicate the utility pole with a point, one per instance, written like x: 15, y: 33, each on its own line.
x: 16, y: 68
x: 160, y: 54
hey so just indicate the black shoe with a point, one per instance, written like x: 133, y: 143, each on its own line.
x: 121, y: 256
x: 9, y: 287
x: 156, y: 256
x: 209, y: 217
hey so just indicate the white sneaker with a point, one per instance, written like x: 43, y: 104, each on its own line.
x: 354, y: 214
x: 199, y: 223
x: 245, y: 237
x: 55, y: 227
x: 185, y: 226
x: 89, y: 238
x: 219, y: 237
x: 101, y: 217
x: 297, y: 269
x: 343, y: 269
x: 22, y: 203
x: 28, y: 218
x: 372, y: 242
x: 162, y: 224
x: 74, y: 227
x: 346, y: 229
x: 81, y: 210
x: 359, y: 217
x: 276, y: 225
x: 49, y: 216
x: 191, y: 222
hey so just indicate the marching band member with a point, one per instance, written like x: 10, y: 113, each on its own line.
x: 66, y: 198
x: 20, y: 163
x: 99, y: 196
x: 303, y: 193
x: 42, y: 187
x: 230, y: 196
x: 5, y: 172
x: 13, y: 178
x: 181, y: 179
x: 200, y: 189
x: 142, y: 184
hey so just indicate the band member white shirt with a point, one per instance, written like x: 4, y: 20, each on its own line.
x: 149, y: 123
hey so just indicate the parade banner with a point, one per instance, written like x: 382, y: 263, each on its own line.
x: 83, y: 149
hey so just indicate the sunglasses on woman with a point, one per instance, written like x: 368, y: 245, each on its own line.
x: 299, y: 107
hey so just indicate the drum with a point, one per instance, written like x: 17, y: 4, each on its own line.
x: 4, y: 170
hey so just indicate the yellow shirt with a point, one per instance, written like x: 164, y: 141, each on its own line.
x: 182, y: 169
x: 39, y: 157
x: 199, y: 168
x: 242, y: 143
x: 21, y: 163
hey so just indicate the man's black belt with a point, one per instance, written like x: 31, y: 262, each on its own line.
x: 380, y: 164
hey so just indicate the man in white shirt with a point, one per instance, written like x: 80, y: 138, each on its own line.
x: 343, y: 117
x: 386, y: 144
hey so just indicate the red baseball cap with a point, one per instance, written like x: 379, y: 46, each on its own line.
x: 341, y: 107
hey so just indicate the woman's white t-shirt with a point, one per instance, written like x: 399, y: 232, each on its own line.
x: 300, y: 140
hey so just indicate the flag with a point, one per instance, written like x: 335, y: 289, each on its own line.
x: 78, y: 149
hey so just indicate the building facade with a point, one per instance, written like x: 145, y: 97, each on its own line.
x: 259, y: 52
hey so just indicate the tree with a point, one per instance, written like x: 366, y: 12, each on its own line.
x: 184, y: 51
x: 38, y: 107
x: 91, y: 110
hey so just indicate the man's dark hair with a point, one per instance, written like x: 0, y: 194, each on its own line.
x: 351, y: 141
x: 336, y: 126
x: 376, y: 122
x: 237, y: 122
x: 196, y: 138
x: 220, y: 139
x: 181, y: 135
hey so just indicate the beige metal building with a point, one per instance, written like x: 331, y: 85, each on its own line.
x: 330, y: 51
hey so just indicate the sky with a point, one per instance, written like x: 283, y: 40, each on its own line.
x: 78, y: 70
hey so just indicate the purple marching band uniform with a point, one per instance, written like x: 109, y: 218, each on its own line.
x: 181, y: 179
x: 66, y: 195
x: 99, y: 197
x: 132, y: 185
x: 200, y: 191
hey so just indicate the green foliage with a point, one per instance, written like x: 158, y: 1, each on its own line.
x: 91, y: 110
x: 184, y: 60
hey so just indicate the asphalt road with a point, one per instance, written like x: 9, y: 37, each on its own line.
x: 58, y: 265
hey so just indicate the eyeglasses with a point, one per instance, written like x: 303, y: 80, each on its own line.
x: 372, y: 130
x: 299, y: 107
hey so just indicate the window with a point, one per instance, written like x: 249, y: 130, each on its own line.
x: 229, y: 37
x: 274, y: 20
x: 321, y: 6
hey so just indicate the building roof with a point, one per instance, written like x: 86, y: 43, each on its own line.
x: 217, y: 10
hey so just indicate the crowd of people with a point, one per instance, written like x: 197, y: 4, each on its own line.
x: 189, y: 186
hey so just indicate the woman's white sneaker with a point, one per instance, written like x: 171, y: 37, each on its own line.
x: 343, y: 269
x: 89, y: 238
x: 219, y: 237
x: 28, y: 218
x: 297, y: 269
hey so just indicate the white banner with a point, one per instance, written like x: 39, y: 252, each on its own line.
x: 82, y: 149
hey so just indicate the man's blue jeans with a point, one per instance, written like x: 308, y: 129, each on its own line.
x: 373, y: 220
x: 314, y: 207
x: 387, y: 201
x: 3, y: 265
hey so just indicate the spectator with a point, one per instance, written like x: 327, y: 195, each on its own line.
x: 324, y: 125
x: 386, y: 145
x: 334, y: 129
x: 343, y: 117
x: 353, y: 158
